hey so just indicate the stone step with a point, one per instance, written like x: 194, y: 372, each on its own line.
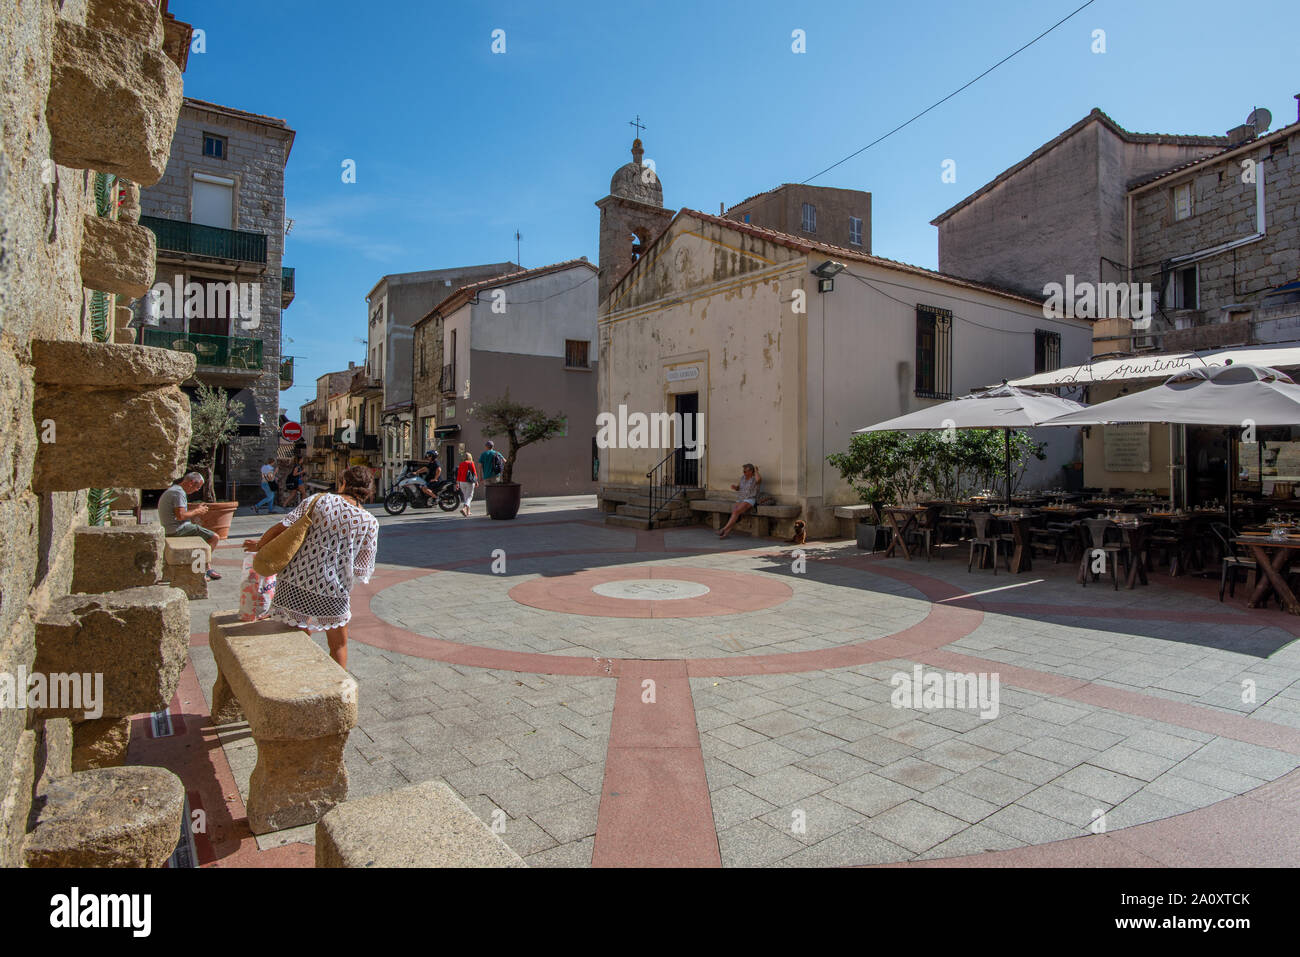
x: 677, y: 510
x: 624, y: 521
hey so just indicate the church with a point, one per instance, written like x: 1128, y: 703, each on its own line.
x: 781, y: 344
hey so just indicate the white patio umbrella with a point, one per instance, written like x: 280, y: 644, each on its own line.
x: 1233, y: 396
x: 1004, y: 407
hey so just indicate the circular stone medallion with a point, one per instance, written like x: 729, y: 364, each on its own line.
x: 651, y: 589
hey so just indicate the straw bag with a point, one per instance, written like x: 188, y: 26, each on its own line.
x: 272, y: 557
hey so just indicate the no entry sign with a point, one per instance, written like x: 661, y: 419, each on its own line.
x: 291, y: 431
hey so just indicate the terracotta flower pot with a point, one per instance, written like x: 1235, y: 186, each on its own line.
x: 503, y: 499
x: 218, y: 518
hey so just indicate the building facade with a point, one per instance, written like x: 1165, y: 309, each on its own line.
x: 1061, y: 210
x: 724, y: 320
x: 532, y: 335
x: 394, y: 305
x: 828, y: 214
x: 220, y: 287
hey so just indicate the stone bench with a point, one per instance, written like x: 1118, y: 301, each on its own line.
x: 300, y: 706
x: 850, y: 516
x: 181, y: 556
x: 424, y: 825
x: 757, y: 521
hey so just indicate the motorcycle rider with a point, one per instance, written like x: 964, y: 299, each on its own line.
x: 430, y: 471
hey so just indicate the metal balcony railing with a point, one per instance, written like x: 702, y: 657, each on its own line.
x: 192, y: 239
x: 286, y: 372
x: 287, y: 287
x: 223, y: 352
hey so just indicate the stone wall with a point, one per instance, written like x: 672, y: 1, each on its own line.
x: 64, y: 61
x: 1223, y: 209
x: 782, y: 209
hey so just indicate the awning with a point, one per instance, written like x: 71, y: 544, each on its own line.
x: 446, y: 431
x: 1160, y: 366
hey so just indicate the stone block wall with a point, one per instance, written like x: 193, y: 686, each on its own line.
x: 60, y: 71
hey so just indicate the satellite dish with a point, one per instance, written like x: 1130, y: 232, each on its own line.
x: 1260, y: 118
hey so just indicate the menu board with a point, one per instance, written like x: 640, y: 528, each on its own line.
x: 1128, y: 447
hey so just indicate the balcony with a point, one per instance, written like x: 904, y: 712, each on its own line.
x: 447, y: 385
x: 322, y: 442
x: 206, y: 242
x: 286, y: 372
x: 286, y: 287
x: 212, y: 352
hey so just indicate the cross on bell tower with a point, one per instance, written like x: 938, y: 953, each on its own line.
x: 637, y: 124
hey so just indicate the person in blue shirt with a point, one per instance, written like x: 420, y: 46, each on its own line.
x: 492, y: 464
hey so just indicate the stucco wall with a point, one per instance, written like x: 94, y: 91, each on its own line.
x: 783, y: 389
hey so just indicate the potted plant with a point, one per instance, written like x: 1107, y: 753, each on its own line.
x: 872, y: 466
x: 214, y: 421
x: 521, y: 425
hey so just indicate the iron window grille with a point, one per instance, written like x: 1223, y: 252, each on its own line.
x: 933, y: 353
x: 1047, y: 351
x: 575, y: 354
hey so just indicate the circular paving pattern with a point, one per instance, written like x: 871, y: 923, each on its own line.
x: 641, y: 592
x: 667, y: 589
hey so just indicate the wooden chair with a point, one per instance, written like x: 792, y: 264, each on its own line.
x: 1233, y: 562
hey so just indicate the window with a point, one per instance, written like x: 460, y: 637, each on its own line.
x: 1047, y: 351
x: 575, y: 354
x: 933, y: 353
x: 809, y: 218
x: 422, y: 372
x: 855, y: 231
x: 1183, y: 289
x: 1183, y: 200
x: 214, y: 146
x: 747, y: 217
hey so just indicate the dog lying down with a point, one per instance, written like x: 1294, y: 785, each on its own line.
x: 800, y: 533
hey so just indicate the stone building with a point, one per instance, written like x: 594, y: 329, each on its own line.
x: 1217, y: 238
x: 841, y: 217
x: 321, y: 459
x: 394, y: 305
x: 1062, y: 209
x: 218, y: 214
x: 90, y: 120
x: 533, y: 334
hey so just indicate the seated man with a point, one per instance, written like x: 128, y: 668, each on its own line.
x: 430, y: 471
x: 174, y: 513
x: 746, y: 496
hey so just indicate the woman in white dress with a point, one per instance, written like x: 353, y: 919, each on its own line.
x: 313, y: 591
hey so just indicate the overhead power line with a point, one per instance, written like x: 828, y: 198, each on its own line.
x: 950, y: 95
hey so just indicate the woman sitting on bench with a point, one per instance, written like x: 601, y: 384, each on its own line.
x: 746, y: 496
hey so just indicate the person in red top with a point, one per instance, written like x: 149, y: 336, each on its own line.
x: 466, y: 478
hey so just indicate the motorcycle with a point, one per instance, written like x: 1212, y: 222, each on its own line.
x: 409, y: 490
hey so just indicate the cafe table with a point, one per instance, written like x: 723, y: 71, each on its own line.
x: 1273, y: 557
x: 1021, y: 523
x: 907, y: 515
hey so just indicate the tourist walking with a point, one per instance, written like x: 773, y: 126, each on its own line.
x: 492, y: 464
x: 269, y: 488
x: 466, y: 478
x: 176, y: 516
x: 293, y: 483
x: 313, y: 592
x: 746, y: 496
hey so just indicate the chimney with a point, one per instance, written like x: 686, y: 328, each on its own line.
x: 1297, y: 107
x: 722, y: 209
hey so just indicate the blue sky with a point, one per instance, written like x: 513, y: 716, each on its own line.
x: 457, y: 147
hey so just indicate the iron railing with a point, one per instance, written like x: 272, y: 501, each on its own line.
x: 227, y: 352
x: 448, y: 380
x: 194, y: 239
x: 287, y: 280
x: 286, y: 372
x: 663, y: 484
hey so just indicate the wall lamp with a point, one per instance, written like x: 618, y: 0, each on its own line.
x: 826, y: 274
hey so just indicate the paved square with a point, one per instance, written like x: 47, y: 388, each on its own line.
x: 619, y: 697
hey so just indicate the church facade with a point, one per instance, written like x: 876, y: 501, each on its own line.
x: 726, y: 320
